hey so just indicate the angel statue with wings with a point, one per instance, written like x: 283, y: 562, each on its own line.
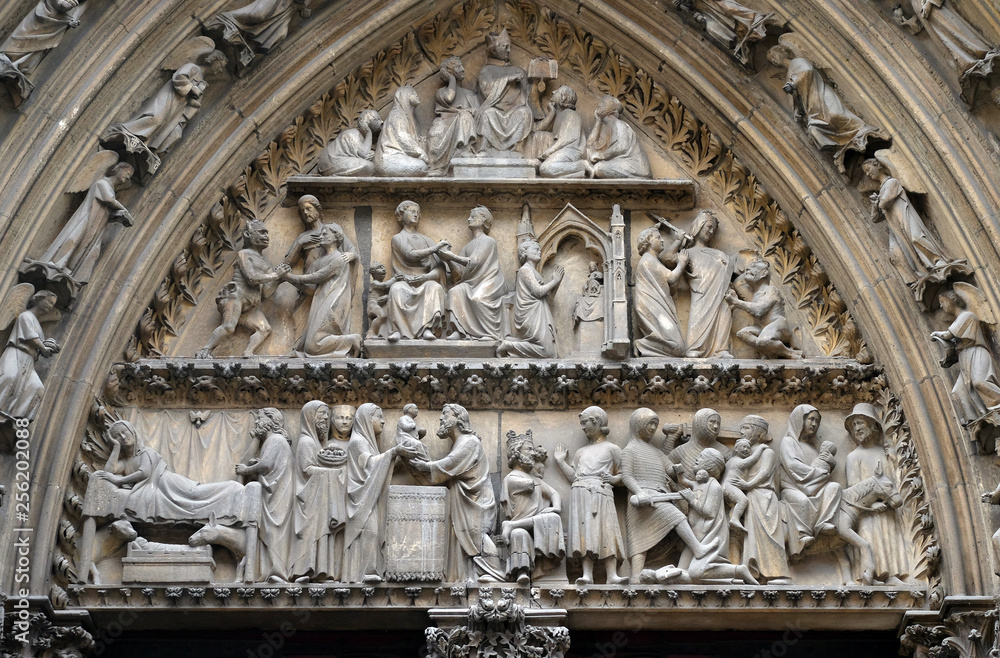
x: 913, y: 251
x: 20, y: 387
x: 977, y: 389
x: 69, y: 261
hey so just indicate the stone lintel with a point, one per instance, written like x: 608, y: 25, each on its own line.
x: 633, y: 194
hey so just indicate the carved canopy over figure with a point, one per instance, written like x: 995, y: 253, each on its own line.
x: 972, y: 56
x: 811, y: 497
x: 709, y: 272
x: 534, y: 333
x: 771, y: 335
x: 75, y: 251
x: 917, y: 256
x: 476, y: 301
x: 416, y: 304
x: 533, y: 529
x: 829, y: 123
x: 454, y: 128
x: 564, y: 157
x: 274, y: 468
x: 977, y: 388
x: 504, y: 118
x: 351, y: 152
x: 879, y: 525
x: 239, y: 300
x: 400, y: 151
x: 20, y: 387
x: 613, y: 149
x: 39, y: 32
x: 256, y: 27
x: 655, y: 312
x: 471, y: 503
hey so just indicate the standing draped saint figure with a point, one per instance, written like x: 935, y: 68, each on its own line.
x: 320, y: 485
x: 476, y: 301
x: 655, y: 312
x: 41, y: 31
x: 21, y: 388
x: 368, y: 474
x: 709, y: 273
x: 275, y: 470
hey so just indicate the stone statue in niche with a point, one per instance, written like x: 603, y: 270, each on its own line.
x: 135, y: 484
x: 709, y: 273
x: 351, y: 152
x: 971, y: 55
x: 476, y: 301
x: 369, y: 472
x: 613, y: 149
x: 977, y: 388
x: 33, y: 38
x: 160, y: 122
x: 471, y: 503
x: 593, y: 521
x: 504, y: 118
x: 453, y: 131
x: 707, y: 515
x: 753, y: 293
x: 20, y: 387
x: 533, y: 328
x: 320, y: 499
x: 878, y: 523
x: 655, y: 312
x: 738, y: 467
x: 764, y: 522
x: 334, y: 275
x: 416, y: 306
x: 400, y: 151
x: 378, y: 297
x: 533, y: 529
x: 257, y: 27
x: 735, y: 26
x: 914, y: 252
x: 274, y: 469
x: 70, y: 260
x: 829, y: 123
x: 651, y: 480
x: 590, y: 305
x: 564, y: 157
x: 254, y: 278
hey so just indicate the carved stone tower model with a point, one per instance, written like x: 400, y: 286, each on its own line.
x: 489, y: 328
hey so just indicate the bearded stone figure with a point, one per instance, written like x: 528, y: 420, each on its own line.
x: 504, y: 118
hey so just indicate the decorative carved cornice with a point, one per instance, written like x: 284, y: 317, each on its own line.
x: 965, y: 627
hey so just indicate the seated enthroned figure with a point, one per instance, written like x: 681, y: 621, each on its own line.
x: 504, y: 118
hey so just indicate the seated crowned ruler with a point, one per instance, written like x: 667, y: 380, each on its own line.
x: 417, y: 533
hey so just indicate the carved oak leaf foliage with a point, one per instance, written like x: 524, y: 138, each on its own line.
x: 348, y: 99
x: 671, y: 126
x: 436, y: 38
x: 646, y: 99
x: 618, y: 76
x: 729, y: 178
